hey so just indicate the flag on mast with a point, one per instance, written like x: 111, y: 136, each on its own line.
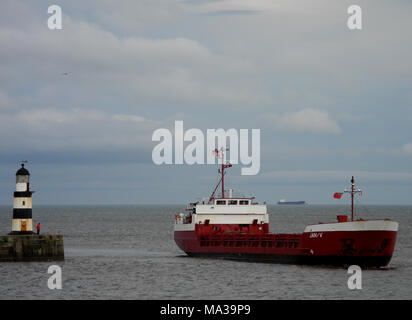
x: 337, y: 195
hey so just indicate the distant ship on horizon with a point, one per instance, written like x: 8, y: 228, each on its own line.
x: 284, y: 202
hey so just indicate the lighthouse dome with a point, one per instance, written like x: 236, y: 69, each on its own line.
x: 22, y: 171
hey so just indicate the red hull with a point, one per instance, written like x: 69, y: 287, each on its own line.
x: 369, y: 248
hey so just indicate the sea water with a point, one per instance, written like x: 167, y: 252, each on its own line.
x: 128, y: 252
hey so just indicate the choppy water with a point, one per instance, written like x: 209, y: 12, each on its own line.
x: 128, y: 252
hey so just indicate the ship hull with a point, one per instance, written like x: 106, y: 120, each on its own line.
x: 366, y: 248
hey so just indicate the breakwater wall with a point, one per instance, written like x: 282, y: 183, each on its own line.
x: 31, y: 247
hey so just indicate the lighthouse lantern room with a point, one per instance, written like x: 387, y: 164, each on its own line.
x: 22, y: 205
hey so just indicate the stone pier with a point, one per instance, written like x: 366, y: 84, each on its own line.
x: 31, y: 247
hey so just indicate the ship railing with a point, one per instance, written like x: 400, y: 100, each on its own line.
x: 191, y: 206
x: 183, y: 218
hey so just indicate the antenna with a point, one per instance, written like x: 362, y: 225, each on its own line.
x: 353, y: 192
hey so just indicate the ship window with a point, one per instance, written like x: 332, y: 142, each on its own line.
x: 232, y: 202
x: 243, y: 201
x: 24, y: 203
x: 221, y: 202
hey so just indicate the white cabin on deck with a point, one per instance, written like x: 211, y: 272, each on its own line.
x: 225, y: 211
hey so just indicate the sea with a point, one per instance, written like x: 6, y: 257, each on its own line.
x: 128, y: 252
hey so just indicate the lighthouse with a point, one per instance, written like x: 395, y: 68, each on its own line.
x: 21, y: 244
x: 22, y: 206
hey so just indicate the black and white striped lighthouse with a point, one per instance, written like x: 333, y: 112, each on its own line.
x: 22, y: 206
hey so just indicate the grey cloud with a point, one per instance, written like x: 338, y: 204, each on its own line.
x: 74, y: 129
x: 407, y: 148
x: 135, y: 66
x: 305, y: 120
x: 165, y: 70
x: 328, y: 176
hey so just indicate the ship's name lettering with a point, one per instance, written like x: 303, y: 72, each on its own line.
x: 316, y: 235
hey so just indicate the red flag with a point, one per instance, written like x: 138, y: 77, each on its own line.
x: 337, y: 195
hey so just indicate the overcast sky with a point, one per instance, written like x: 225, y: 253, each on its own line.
x: 330, y: 102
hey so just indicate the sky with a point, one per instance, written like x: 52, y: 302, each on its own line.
x: 81, y: 103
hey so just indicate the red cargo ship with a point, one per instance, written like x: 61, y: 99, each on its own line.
x: 238, y: 228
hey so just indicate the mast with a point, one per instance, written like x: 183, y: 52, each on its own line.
x: 352, y: 192
x: 224, y: 166
x: 223, y: 175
